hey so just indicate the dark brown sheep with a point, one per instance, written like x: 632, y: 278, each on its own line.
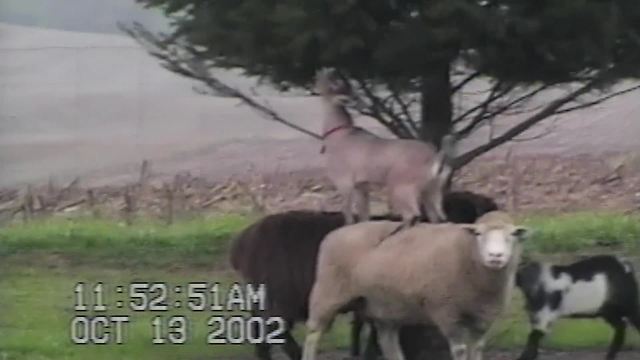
x: 280, y: 251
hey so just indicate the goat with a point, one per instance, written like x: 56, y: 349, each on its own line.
x: 280, y: 251
x: 598, y: 286
x: 458, y: 277
x: 411, y: 170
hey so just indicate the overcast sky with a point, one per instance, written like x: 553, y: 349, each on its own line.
x: 78, y: 15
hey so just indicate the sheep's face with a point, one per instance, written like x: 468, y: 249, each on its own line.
x: 497, y: 245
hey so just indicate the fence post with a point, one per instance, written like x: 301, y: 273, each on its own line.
x: 169, y: 193
x: 129, y: 205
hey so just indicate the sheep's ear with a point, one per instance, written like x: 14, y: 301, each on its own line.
x: 473, y: 229
x: 521, y: 232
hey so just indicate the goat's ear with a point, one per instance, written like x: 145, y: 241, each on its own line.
x: 521, y: 232
x: 473, y: 229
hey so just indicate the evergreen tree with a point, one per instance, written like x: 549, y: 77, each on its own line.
x: 409, y: 58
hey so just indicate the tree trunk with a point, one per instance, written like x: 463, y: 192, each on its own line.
x: 436, y: 105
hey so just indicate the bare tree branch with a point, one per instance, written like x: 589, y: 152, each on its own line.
x: 483, y: 105
x: 379, y: 111
x: 405, y: 106
x: 189, y: 66
x: 499, y: 110
x: 598, y: 101
x: 465, y: 81
x: 515, y: 130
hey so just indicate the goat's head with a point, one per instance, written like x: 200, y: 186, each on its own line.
x: 497, y: 239
x: 329, y: 85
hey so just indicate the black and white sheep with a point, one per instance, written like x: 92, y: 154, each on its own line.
x: 456, y: 276
x: 280, y: 251
x: 599, y: 286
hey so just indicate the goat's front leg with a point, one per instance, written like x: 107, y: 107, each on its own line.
x: 362, y: 202
x: 389, y: 340
x: 347, y: 198
x: 530, y: 351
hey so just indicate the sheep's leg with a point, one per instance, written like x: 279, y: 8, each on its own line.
x: 457, y: 336
x: 357, y: 323
x: 316, y: 326
x: 324, y: 303
x: 290, y: 346
x: 262, y: 350
x: 619, y: 328
x: 530, y: 351
x: 362, y: 202
x: 459, y: 350
x: 476, y: 349
x: 372, y: 350
x: 389, y: 339
x: 311, y: 343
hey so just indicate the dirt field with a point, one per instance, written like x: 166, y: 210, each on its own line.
x: 94, y: 106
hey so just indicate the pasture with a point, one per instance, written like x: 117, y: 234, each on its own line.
x: 42, y: 261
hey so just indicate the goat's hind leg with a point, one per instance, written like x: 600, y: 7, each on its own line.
x: 433, y: 207
x: 406, y: 200
x: 619, y: 327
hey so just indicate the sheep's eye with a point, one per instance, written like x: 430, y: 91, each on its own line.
x: 521, y: 233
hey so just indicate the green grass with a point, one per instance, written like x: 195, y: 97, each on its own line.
x: 583, y: 231
x: 512, y: 330
x: 197, y: 242
x: 40, y: 263
x: 37, y: 308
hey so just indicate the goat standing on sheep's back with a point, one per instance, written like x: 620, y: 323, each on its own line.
x: 413, y: 172
x: 599, y: 286
x: 280, y: 251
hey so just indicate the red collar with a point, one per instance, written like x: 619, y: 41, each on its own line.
x: 332, y: 130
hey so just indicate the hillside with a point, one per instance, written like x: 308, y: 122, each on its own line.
x: 94, y: 105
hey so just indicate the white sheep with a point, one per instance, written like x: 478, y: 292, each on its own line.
x: 458, y: 277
